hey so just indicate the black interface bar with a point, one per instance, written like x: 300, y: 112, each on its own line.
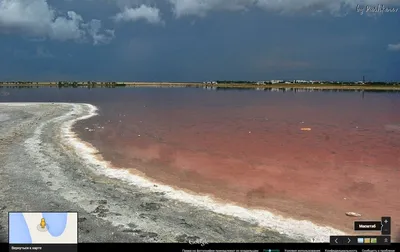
x: 360, y: 240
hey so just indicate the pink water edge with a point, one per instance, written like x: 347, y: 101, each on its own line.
x: 256, y: 154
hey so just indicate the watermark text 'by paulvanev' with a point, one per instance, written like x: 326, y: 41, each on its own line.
x: 375, y: 9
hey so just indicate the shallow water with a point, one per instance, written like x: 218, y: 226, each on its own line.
x: 248, y: 146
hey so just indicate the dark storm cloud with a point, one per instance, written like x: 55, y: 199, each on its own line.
x: 197, y: 40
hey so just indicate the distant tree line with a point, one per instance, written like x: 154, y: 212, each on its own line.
x: 376, y: 83
x: 235, y: 81
x: 60, y: 84
x: 19, y: 82
x: 89, y: 84
x: 113, y: 84
x: 369, y: 83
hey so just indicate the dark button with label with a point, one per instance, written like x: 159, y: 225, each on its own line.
x: 367, y: 225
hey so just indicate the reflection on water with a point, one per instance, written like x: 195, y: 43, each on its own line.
x: 248, y: 146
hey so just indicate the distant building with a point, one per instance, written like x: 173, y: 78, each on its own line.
x: 300, y: 81
x: 276, y: 81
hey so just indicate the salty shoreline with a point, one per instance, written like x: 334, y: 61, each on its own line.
x: 40, y: 153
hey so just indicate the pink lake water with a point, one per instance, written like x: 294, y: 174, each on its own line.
x: 247, y: 147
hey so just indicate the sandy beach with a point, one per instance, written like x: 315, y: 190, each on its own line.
x: 44, y: 167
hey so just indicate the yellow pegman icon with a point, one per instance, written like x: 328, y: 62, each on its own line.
x: 43, y: 223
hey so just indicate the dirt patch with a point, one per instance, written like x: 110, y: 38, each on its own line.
x: 4, y: 117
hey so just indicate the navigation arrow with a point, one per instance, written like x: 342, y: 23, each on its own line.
x: 337, y: 240
x: 349, y: 240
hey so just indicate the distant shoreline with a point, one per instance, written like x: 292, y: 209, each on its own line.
x: 327, y: 86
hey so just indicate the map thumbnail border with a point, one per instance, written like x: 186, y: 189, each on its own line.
x: 77, y: 220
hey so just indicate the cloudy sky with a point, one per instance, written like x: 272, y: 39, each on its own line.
x: 197, y: 40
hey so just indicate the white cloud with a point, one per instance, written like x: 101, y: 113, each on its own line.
x: 132, y: 3
x: 34, y: 16
x: 94, y: 28
x: 65, y: 28
x: 37, y: 19
x: 394, y: 47
x: 150, y: 14
x: 202, y: 7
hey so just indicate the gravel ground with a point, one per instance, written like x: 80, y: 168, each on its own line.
x: 40, y: 173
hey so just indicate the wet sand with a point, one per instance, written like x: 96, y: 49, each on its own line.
x: 254, y: 153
